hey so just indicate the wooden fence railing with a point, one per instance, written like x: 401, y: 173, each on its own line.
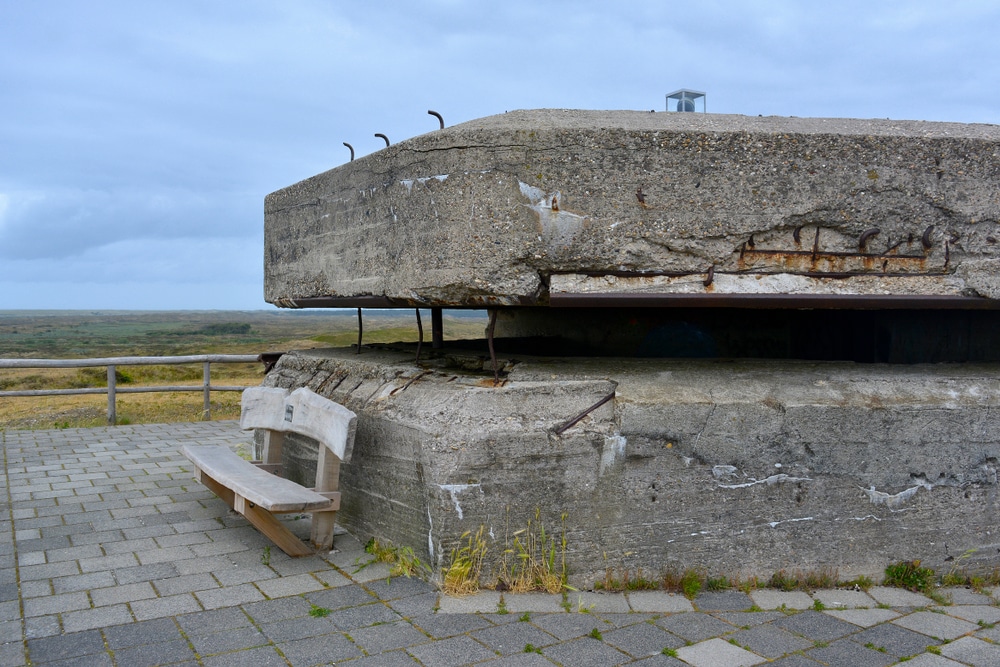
x: 112, y: 390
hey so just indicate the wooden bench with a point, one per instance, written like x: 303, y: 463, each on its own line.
x: 254, y: 489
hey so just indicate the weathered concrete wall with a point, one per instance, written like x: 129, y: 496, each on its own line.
x: 531, y: 206
x: 735, y: 466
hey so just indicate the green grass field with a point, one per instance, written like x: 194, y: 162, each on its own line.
x: 78, y: 334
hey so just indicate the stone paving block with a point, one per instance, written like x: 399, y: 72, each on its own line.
x: 624, y: 620
x: 319, y: 650
x: 269, y: 611
x: 843, y: 599
x: 534, y: 602
x: 974, y: 613
x: 718, y: 653
x: 168, y: 606
x: 10, y: 631
x: 82, y: 582
x: 767, y: 598
x: 382, y: 638
x: 228, y: 640
x: 991, y: 634
x: 167, y: 555
x: 42, y: 626
x: 931, y: 660
x: 748, y: 619
x: 658, y: 602
x: 137, y: 573
x: 235, y: 575
x: 99, y: 617
x: 332, y: 578
x: 695, y: 626
x: 121, y: 594
x: 339, y: 598
x: 231, y: 595
x: 115, y: 562
x: 483, y: 601
x: 129, y: 546
x: 415, y: 605
x: 182, y: 539
x: 61, y: 647
x: 896, y: 641
x: 203, y: 565
x: 152, y: 655
x: 440, y: 626
x: 936, y: 625
x: 397, y: 587
x: 973, y: 651
x: 213, y: 621
x: 143, y: 632
x: 816, y: 626
x: 769, y: 641
x: 452, y: 652
x: 48, y: 571
x: 293, y: 585
x: 586, y: 652
x: 363, y: 616
x: 55, y: 604
x: 845, y: 652
x: 611, y: 603
x: 12, y: 655
x: 185, y: 584
x: 723, y: 601
x: 298, y: 628
x: 898, y: 597
x: 263, y: 656
x: 863, y: 617
x: 570, y: 626
x: 372, y: 572
x: 960, y: 595
x: 642, y: 639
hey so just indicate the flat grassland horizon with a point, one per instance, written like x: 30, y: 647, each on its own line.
x: 85, y: 334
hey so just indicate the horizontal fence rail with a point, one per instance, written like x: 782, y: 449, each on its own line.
x: 111, y: 363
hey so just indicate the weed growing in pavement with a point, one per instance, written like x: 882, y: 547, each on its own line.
x: 402, y: 560
x: 909, y: 575
x: 534, y: 561
x: 461, y: 577
x: 318, y: 612
x: 265, y: 557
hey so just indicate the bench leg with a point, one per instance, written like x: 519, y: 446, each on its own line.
x: 322, y: 530
x: 327, y: 479
x: 260, y: 519
x: 278, y: 533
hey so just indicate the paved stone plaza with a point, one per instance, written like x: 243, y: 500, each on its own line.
x: 111, y: 554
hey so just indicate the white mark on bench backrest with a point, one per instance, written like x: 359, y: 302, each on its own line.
x: 314, y: 416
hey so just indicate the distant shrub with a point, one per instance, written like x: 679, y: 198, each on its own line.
x: 225, y: 329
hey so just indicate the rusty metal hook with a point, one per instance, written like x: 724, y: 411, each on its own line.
x: 420, y: 334
x: 438, y: 116
x: 383, y: 137
x: 352, y: 150
x: 489, y: 339
x: 863, y: 240
x: 710, y: 277
x: 361, y: 327
x: 925, y: 240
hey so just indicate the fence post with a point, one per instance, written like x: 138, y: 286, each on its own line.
x: 112, y: 417
x: 207, y: 414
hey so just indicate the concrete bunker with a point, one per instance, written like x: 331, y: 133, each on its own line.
x: 739, y: 343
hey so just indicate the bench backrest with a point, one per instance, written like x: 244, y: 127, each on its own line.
x: 302, y: 411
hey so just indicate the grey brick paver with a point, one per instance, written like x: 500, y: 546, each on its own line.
x: 111, y: 531
x: 936, y: 625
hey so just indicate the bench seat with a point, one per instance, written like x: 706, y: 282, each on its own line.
x: 275, y: 494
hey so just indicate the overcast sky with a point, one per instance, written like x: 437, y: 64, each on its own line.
x: 138, y: 139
